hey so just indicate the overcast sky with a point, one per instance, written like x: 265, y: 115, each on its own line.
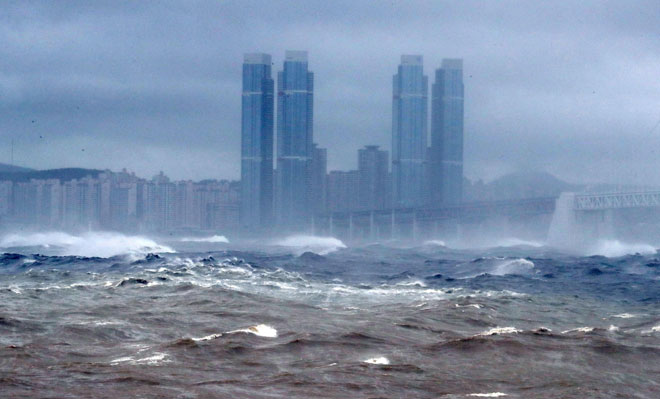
x: 568, y: 87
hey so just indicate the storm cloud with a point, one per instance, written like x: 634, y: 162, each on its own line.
x: 568, y: 87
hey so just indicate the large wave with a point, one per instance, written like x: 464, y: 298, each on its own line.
x: 100, y: 244
x: 305, y: 243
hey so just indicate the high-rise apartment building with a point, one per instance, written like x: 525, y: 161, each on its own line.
x: 295, y: 96
x: 318, y: 183
x: 446, y: 169
x: 343, y: 187
x: 257, y: 141
x: 373, y: 176
x: 409, y: 132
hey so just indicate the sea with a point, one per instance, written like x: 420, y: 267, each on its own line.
x: 105, y: 315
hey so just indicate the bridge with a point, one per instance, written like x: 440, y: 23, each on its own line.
x: 596, y: 202
x: 581, y: 218
x: 428, y: 221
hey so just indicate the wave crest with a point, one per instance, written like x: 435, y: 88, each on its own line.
x: 93, y: 244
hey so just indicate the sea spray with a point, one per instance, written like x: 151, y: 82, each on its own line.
x: 305, y: 243
x: 92, y: 244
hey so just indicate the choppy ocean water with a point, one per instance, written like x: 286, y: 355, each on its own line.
x: 308, y: 317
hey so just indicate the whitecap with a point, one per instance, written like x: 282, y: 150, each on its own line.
x: 260, y: 330
x: 438, y: 243
x: 579, y: 329
x: 101, y: 244
x: 500, y: 331
x: 624, y: 315
x: 512, y: 266
x: 319, y: 245
x: 613, y: 328
x: 488, y: 395
x: 471, y: 305
x: 382, y: 360
x: 155, y: 359
x: 208, y: 337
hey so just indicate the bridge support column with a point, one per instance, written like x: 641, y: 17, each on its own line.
x: 350, y: 227
x: 331, y: 226
x: 415, y: 227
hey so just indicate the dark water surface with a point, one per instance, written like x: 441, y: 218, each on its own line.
x: 369, y: 322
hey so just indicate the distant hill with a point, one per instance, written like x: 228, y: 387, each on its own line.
x: 518, y: 186
x: 6, y: 168
x: 64, y: 174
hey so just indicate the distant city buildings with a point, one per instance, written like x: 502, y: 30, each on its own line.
x: 409, y: 135
x: 121, y: 202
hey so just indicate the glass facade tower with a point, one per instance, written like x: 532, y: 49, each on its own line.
x: 447, y: 134
x: 295, y: 104
x: 257, y: 142
x: 409, y: 132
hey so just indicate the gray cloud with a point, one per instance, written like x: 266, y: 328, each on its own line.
x: 571, y: 87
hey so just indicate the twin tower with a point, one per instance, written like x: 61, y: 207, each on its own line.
x: 421, y: 175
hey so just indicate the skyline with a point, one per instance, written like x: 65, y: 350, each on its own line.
x: 570, y: 88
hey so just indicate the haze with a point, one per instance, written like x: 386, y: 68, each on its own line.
x: 568, y: 87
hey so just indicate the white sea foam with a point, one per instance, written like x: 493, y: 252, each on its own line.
x: 616, y: 248
x: 613, y: 328
x: 489, y: 395
x: 500, y: 331
x: 319, y: 245
x: 260, y: 330
x: 208, y: 337
x: 471, y: 305
x: 101, y: 244
x: 156, y: 358
x: 579, y: 329
x: 211, y: 239
x: 656, y: 328
x: 625, y: 316
x: 382, y: 360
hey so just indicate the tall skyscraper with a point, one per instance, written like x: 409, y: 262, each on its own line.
x: 295, y: 96
x: 257, y: 142
x: 373, y: 176
x: 447, y: 134
x: 409, y: 136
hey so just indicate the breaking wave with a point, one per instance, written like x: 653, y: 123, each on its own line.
x: 93, y: 244
x: 316, y: 244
